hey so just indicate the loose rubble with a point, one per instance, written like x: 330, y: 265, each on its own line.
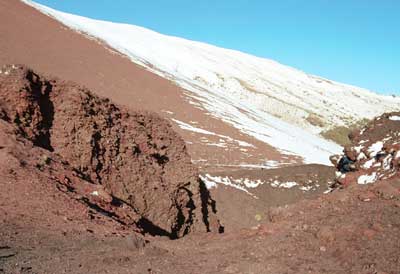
x: 374, y: 153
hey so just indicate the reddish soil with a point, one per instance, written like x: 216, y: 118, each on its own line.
x: 355, y: 230
x: 88, y: 186
x: 31, y: 38
x: 50, y: 221
x: 235, y: 216
x: 124, y: 159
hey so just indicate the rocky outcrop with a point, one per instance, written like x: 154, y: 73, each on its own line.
x: 374, y: 153
x: 133, y: 157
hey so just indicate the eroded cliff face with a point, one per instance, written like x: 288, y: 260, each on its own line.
x: 130, y: 158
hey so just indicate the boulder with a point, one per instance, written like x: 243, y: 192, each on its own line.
x: 134, y: 155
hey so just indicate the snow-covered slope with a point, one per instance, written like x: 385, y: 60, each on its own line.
x: 276, y: 104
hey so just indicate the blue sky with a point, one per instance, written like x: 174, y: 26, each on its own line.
x: 351, y: 41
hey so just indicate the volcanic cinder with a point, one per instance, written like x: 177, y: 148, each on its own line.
x: 134, y: 155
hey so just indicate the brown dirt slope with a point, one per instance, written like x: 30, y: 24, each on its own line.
x: 351, y: 231
x: 57, y: 217
x: 312, y: 180
x: 136, y: 157
x: 34, y: 39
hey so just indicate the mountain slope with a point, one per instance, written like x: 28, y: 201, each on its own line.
x: 263, y: 99
x: 32, y: 38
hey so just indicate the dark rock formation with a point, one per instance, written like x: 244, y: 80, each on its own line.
x: 134, y: 156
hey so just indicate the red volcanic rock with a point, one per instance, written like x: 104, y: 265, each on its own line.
x: 350, y: 153
x: 374, y: 152
x: 134, y: 156
x: 348, y: 178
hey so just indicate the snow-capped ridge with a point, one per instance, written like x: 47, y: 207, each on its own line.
x: 262, y: 98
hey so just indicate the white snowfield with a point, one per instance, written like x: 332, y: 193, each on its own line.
x: 394, y: 118
x: 276, y: 104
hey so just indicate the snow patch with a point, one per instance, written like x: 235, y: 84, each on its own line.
x: 375, y: 148
x: 394, y: 118
x: 386, y: 163
x: 367, y: 179
x: 188, y: 127
x: 265, y: 166
x: 213, y: 181
x: 283, y: 184
x: 361, y: 156
x: 217, y: 145
x: 368, y: 164
x: 358, y: 148
x: 272, y: 163
x: 306, y: 188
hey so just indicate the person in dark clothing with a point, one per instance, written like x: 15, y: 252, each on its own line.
x: 346, y: 165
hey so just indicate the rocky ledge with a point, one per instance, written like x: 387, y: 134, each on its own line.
x: 129, y: 165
